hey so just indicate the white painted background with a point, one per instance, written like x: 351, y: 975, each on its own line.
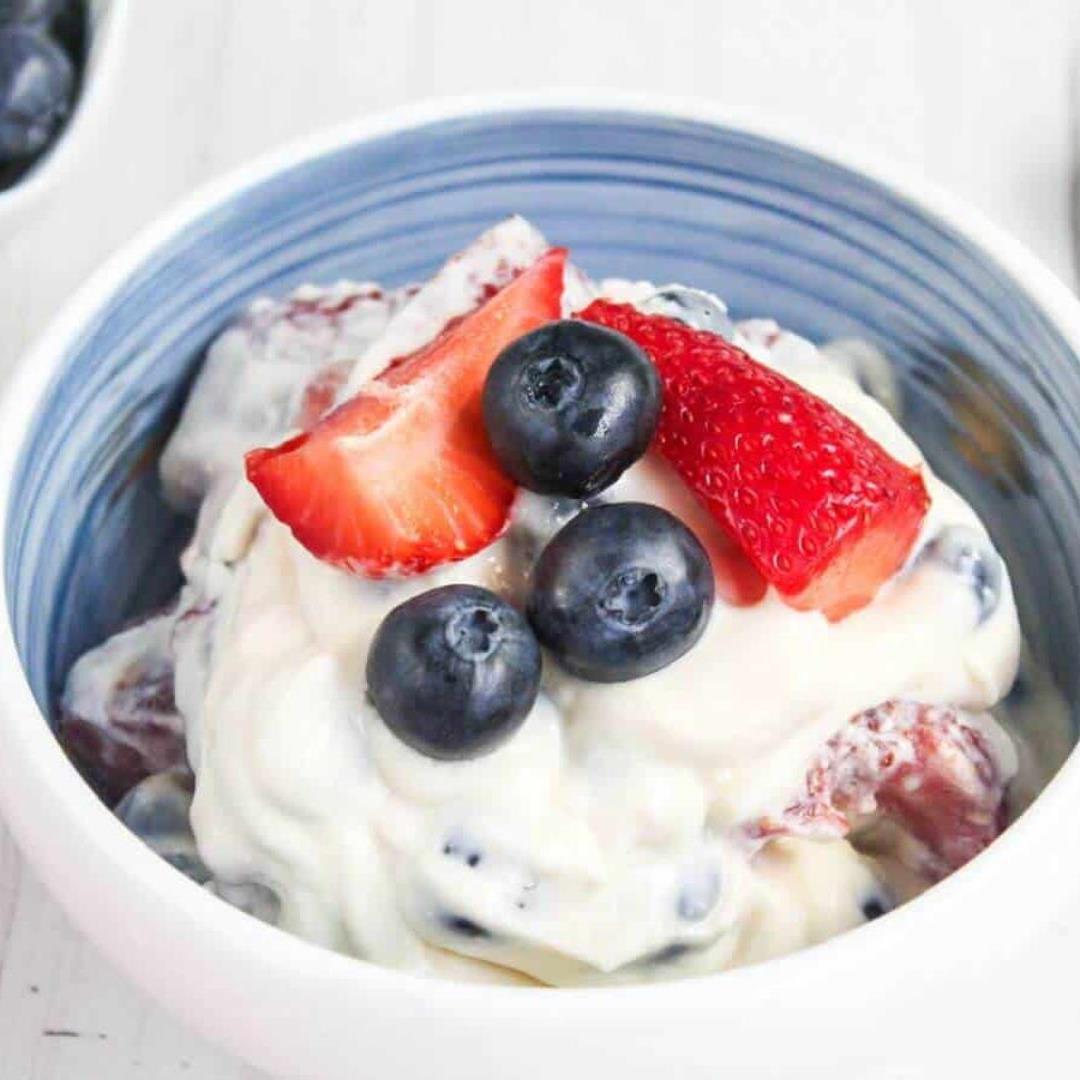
x: 973, y: 94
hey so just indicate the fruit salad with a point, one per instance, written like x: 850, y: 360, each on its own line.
x: 536, y: 628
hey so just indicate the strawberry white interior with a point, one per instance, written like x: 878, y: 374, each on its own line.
x: 628, y: 831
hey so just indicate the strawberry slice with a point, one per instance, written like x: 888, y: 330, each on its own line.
x: 934, y: 771
x: 820, y: 509
x: 400, y: 478
x: 118, y: 720
x: 737, y: 581
x: 321, y: 392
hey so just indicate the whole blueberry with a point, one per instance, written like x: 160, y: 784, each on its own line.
x: 158, y: 811
x: 699, y: 893
x: 875, y: 905
x: 36, y: 83
x: 621, y: 591
x: 1021, y: 690
x: 454, y: 671
x: 68, y: 25
x: 570, y: 406
x: 29, y: 11
x: 695, y: 307
x: 966, y: 552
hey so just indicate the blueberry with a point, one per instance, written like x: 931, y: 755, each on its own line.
x: 158, y: 811
x: 69, y: 26
x: 695, y: 307
x: 570, y: 406
x: 876, y: 905
x: 36, y: 82
x: 968, y: 554
x: 252, y: 897
x: 669, y: 954
x: 29, y: 11
x: 454, y: 671
x: 1021, y: 689
x: 159, y: 806
x: 458, y: 924
x: 621, y: 591
x: 700, y: 891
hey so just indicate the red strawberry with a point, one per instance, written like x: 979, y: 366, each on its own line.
x: 822, y: 511
x: 737, y: 581
x: 930, y: 769
x: 321, y: 393
x: 400, y: 478
x: 118, y: 719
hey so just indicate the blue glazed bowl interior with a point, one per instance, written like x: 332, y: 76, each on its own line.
x: 992, y: 390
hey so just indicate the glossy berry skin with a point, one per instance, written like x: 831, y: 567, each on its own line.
x: 621, y: 591
x: 400, y: 478
x: 29, y: 11
x: 158, y: 811
x: 965, y: 552
x: 569, y: 407
x: 454, y: 671
x: 67, y: 22
x: 36, y: 86
x: 875, y: 906
x: 819, y: 508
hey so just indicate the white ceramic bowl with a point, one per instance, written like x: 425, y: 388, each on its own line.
x: 881, y: 1003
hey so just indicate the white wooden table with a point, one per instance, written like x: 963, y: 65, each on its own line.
x: 973, y: 94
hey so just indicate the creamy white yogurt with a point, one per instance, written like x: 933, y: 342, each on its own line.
x: 603, y: 841
x: 598, y: 843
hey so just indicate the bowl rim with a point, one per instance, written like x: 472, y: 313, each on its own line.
x: 30, y: 743
x: 110, y: 21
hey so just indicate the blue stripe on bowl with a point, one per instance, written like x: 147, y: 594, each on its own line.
x: 993, y: 391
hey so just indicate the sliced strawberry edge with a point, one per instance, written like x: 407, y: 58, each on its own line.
x: 821, y: 586
x: 280, y: 473
x: 928, y: 769
x: 867, y: 558
x: 738, y: 581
